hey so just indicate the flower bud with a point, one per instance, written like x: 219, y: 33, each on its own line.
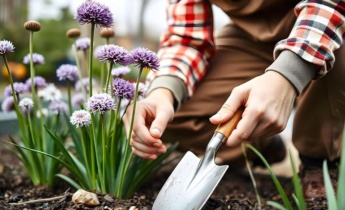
x: 107, y: 32
x: 32, y: 25
x: 73, y: 33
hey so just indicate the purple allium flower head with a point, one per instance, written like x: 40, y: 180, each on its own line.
x: 81, y: 118
x: 120, y: 71
x: 85, y: 82
x: 144, y: 58
x: 113, y: 53
x: 38, y: 82
x: 19, y: 87
x: 67, y: 71
x: 101, y: 103
x: 7, y: 104
x: 6, y: 47
x: 123, y: 89
x: 94, y: 12
x: 58, y: 107
x: 77, y: 99
x: 37, y: 59
x: 26, y: 104
x: 83, y: 43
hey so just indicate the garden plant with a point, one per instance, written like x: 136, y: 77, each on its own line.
x: 82, y: 132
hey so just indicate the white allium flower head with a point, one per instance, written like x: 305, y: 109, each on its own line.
x: 50, y: 93
x: 26, y: 104
x: 81, y: 118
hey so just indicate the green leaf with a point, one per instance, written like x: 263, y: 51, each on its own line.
x: 276, y: 205
x: 280, y: 189
x: 70, y: 181
x: 297, y: 185
x: 332, y: 202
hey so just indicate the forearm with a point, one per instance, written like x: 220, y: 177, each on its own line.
x: 187, y: 45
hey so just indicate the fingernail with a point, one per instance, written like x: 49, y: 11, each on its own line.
x: 157, y: 144
x: 156, y: 131
x: 161, y: 151
x: 216, y: 117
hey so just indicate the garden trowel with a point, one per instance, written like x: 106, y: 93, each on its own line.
x: 193, y: 180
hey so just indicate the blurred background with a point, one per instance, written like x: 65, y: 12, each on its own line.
x: 136, y: 23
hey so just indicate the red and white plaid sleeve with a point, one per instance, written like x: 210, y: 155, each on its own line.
x: 188, y: 44
x: 318, y: 32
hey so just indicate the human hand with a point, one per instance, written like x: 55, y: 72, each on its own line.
x: 152, y: 115
x: 268, y: 100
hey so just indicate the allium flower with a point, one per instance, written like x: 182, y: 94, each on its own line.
x: 85, y: 82
x: 38, y: 82
x: 19, y: 87
x: 101, y: 103
x: 26, y: 104
x: 144, y: 58
x: 50, y: 93
x: 123, y: 89
x: 95, y: 13
x: 6, y: 47
x: 81, y: 118
x: 113, y: 53
x: 107, y: 32
x: 120, y: 71
x: 36, y: 58
x: 67, y: 71
x: 73, y: 33
x: 96, y: 51
x: 7, y: 104
x: 78, y: 99
x: 32, y: 25
x: 58, y: 107
x: 83, y: 43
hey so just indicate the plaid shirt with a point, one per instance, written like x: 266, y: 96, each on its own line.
x: 188, y: 44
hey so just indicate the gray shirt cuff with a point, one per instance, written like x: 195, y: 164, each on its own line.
x: 175, y: 85
x: 298, y: 71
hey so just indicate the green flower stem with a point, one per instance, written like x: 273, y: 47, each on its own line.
x: 95, y: 155
x: 104, y: 150
x: 127, y: 161
x: 79, y: 71
x: 111, y: 149
x: 103, y: 65
x: 90, y: 58
x: 85, y: 152
x: 102, y: 74
x: 39, y: 174
x: 69, y: 96
x: 108, y: 79
x: 85, y: 59
x: 11, y: 84
x: 32, y: 70
x: 93, y: 148
x: 38, y: 136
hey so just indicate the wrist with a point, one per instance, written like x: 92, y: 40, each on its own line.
x: 162, y: 94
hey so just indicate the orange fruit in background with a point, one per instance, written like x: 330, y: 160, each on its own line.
x: 18, y: 70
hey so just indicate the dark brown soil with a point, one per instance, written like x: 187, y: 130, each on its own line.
x: 235, y: 191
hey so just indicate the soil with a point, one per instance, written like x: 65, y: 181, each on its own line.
x: 235, y: 191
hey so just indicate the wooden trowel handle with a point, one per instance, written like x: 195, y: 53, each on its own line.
x: 228, y: 127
